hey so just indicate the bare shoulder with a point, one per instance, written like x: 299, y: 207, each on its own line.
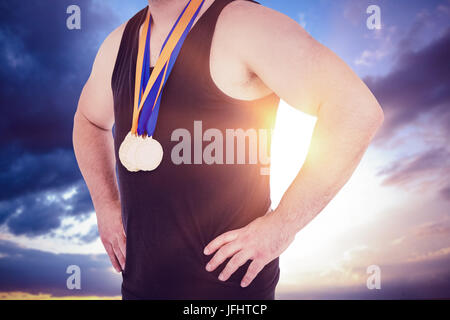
x: 272, y: 48
x: 245, y: 20
x: 96, y: 100
x: 107, y: 54
x: 284, y: 56
x: 250, y: 12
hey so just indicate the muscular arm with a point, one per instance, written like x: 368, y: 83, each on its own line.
x: 93, y: 145
x: 312, y: 79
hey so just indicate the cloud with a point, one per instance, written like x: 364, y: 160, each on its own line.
x: 432, y: 164
x: 415, y: 279
x: 418, y: 85
x: 18, y: 295
x: 37, y: 272
x: 24, y: 173
x: 41, y: 212
x: 445, y: 192
x: 355, y: 11
x: 436, y: 288
x: 302, y: 19
x: 41, y: 79
x: 39, y: 190
x: 43, y: 71
x: 415, y: 97
x: 382, y: 47
x: 90, y: 236
x: 398, y: 241
x: 439, y: 228
x: 431, y: 255
x: 368, y: 57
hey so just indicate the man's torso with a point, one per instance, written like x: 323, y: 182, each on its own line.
x: 171, y: 213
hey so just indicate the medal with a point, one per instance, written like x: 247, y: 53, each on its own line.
x: 139, y: 151
x: 148, y: 154
x: 127, y: 152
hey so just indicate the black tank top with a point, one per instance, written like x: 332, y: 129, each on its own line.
x: 170, y: 214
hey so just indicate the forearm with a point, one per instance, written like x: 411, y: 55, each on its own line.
x: 339, y: 141
x: 94, y: 150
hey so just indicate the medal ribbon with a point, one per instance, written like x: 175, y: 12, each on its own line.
x: 148, y: 88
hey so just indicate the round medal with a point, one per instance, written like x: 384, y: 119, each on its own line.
x: 148, y: 154
x: 127, y: 152
x: 139, y: 151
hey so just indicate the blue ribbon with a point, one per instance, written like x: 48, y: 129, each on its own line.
x: 148, y: 117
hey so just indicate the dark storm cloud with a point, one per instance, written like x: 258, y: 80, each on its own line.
x: 25, y: 173
x: 417, y: 88
x: 34, y: 271
x: 44, y: 66
x: 33, y: 189
x: 418, y: 85
x: 41, y: 212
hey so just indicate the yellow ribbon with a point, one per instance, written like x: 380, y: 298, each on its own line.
x: 162, y: 62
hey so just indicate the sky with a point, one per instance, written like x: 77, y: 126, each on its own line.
x: 394, y: 212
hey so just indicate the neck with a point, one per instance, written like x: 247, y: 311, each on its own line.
x: 165, y: 11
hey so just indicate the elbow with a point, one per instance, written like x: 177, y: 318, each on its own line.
x: 378, y: 115
x: 366, y: 116
x: 372, y: 113
x: 77, y: 118
x: 373, y: 118
x: 75, y: 127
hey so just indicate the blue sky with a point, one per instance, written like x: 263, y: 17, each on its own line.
x: 393, y: 213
